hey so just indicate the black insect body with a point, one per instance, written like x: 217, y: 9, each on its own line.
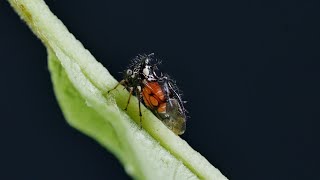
x: 157, y: 92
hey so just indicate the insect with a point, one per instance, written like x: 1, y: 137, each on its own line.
x: 157, y: 91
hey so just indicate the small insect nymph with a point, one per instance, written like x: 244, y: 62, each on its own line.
x: 156, y: 91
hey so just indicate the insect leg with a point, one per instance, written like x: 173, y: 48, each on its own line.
x: 138, y: 94
x: 121, y: 82
x: 131, y: 89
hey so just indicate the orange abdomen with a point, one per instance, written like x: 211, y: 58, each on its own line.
x: 154, y: 97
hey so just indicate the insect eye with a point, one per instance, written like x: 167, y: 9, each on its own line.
x: 129, y: 72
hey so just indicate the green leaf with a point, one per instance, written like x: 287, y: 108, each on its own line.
x: 80, y: 84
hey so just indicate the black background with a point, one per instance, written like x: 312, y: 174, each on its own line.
x: 249, y: 70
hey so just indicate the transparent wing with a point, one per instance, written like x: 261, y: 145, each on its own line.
x: 175, y: 112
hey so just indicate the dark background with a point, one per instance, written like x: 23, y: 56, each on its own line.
x: 249, y: 70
